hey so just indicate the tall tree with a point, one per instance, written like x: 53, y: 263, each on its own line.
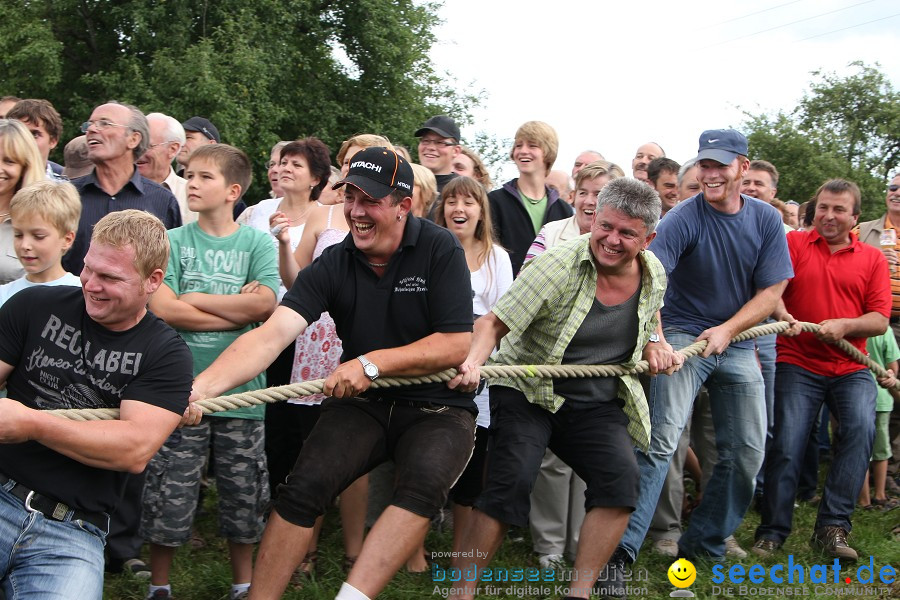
x: 261, y: 71
x: 843, y: 127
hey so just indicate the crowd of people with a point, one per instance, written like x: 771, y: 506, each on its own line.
x: 376, y: 266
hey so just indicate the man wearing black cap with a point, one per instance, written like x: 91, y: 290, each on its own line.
x: 198, y: 131
x: 438, y: 146
x: 399, y: 291
x: 727, y: 262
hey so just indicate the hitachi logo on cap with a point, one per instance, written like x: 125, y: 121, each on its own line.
x: 366, y: 165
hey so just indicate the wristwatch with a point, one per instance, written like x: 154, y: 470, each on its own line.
x: 369, y: 367
x: 654, y: 337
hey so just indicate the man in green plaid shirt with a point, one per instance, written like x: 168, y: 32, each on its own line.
x: 592, y: 300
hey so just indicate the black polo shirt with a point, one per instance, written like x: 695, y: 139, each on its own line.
x: 426, y: 289
x: 139, y: 192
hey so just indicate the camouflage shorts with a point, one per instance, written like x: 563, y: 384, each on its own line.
x: 173, y: 481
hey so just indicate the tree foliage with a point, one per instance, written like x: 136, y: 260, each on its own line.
x: 843, y: 127
x: 261, y: 71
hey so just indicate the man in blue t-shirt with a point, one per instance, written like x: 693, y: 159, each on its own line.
x: 728, y: 263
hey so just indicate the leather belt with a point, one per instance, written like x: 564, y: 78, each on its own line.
x: 53, y: 509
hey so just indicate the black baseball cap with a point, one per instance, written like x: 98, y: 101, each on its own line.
x: 378, y: 171
x: 203, y: 126
x: 442, y: 125
x: 722, y: 145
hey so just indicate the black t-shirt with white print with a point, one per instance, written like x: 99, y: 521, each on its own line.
x: 64, y: 359
x: 426, y: 288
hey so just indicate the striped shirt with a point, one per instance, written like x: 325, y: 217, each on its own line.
x: 545, y: 307
x: 870, y: 233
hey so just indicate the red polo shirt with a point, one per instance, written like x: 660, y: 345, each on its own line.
x: 847, y: 284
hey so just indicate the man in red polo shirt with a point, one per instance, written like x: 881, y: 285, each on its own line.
x: 844, y: 286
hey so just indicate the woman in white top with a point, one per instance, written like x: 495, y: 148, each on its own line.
x: 463, y: 209
x: 302, y: 173
x: 20, y: 165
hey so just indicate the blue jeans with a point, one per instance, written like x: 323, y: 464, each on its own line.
x: 43, y: 559
x: 737, y: 404
x: 798, y: 396
x: 765, y: 348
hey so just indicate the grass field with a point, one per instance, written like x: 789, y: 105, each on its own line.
x: 204, y: 574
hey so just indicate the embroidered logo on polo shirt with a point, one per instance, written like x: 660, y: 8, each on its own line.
x: 413, y: 283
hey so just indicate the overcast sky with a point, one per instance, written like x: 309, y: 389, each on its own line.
x: 611, y: 75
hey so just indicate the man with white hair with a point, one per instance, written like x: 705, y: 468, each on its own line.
x: 166, y: 140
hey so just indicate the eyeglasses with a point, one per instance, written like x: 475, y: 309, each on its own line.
x: 99, y: 124
x: 436, y: 143
x: 893, y: 188
x: 163, y: 144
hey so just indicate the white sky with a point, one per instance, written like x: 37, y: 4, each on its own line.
x: 611, y: 75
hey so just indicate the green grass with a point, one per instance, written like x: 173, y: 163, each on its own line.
x: 204, y: 574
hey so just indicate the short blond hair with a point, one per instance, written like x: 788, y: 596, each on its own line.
x: 425, y: 179
x: 58, y: 203
x: 363, y: 140
x: 598, y: 168
x: 544, y: 136
x: 139, y: 230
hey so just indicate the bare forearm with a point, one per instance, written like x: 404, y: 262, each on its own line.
x: 241, y: 309
x: 780, y: 313
x: 489, y: 331
x: 287, y: 265
x: 868, y: 325
x: 756, y: 309
x: 182, y: 315
x: 431, y: 354
x: 250, y: 354
x: 114, y: 445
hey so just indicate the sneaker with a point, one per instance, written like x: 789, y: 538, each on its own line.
x: 611, y: 583
x: 137, y: 568
x: 552, y: 561
x: 666, y: 547
x: 832, y: 540
x: 765, y: 548
x: 162, y: 594
x: 241, y: 595
x: 733, y: 549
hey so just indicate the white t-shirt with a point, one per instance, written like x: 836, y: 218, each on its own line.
x: 257, y: 216
x: 489, y: 283
x: 8, y: 290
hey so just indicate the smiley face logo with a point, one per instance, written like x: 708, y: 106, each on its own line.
x: 682, y: 573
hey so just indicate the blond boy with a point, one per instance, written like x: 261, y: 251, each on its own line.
x: 44, y: 219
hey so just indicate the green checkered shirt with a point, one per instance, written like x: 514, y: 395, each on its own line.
x: 545, y: 307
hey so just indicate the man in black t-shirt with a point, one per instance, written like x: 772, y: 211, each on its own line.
x: 399, y: 291
x: 95, y: 347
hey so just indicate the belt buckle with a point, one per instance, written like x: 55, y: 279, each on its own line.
x: 28, y: 503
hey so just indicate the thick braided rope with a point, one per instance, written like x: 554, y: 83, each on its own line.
x: 308, y: 388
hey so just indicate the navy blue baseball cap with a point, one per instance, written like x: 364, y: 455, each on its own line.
x: 378, y: 171
x: 204, y: 126
x: 722, y: 145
